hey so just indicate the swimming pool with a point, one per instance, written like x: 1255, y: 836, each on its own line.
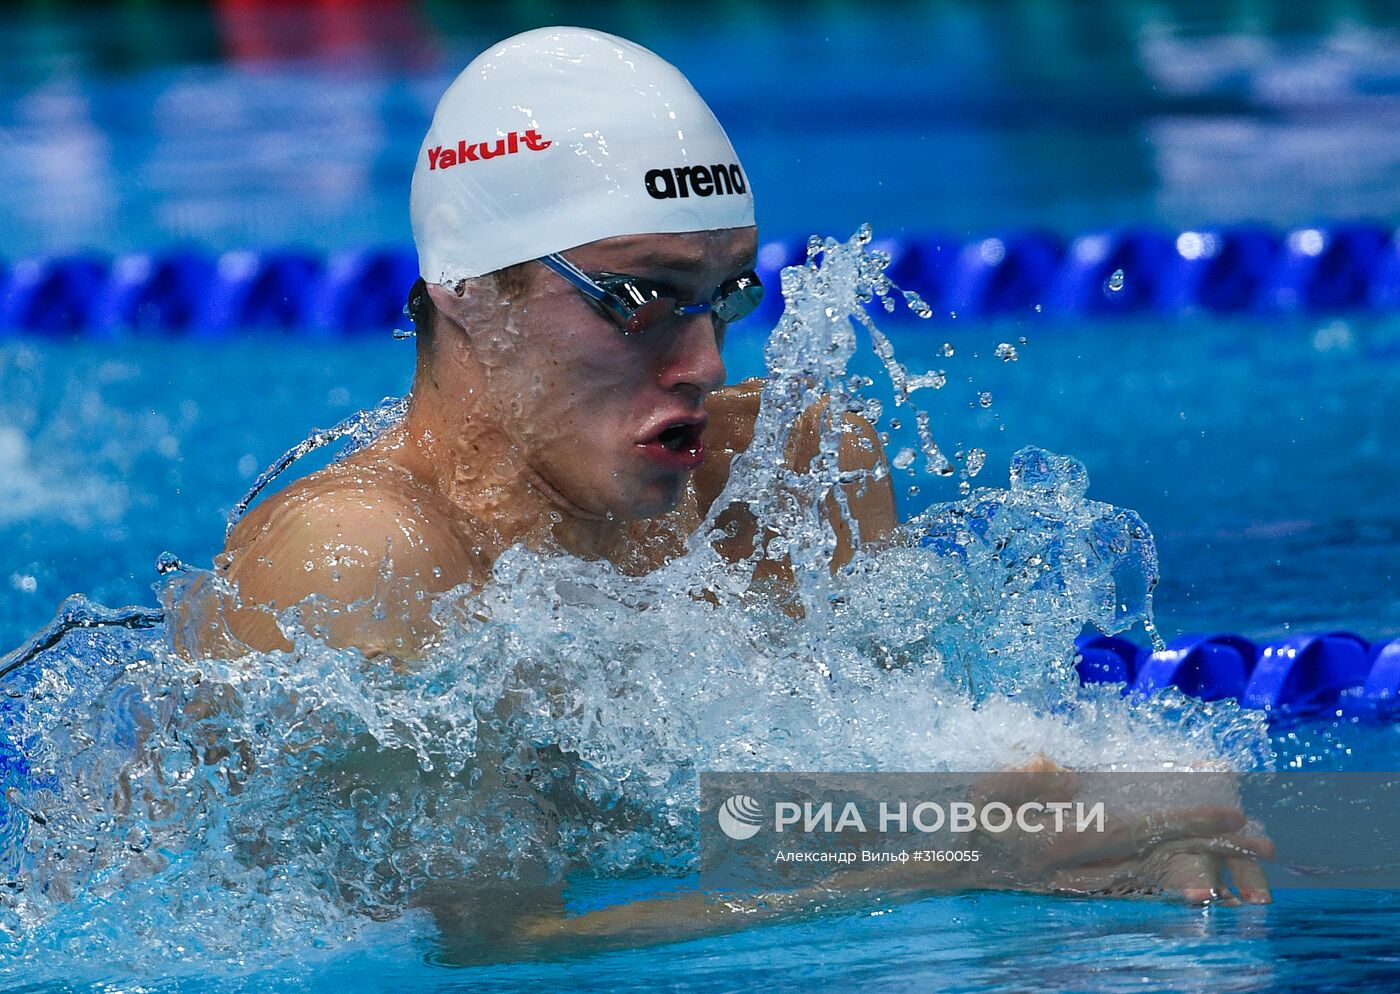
x: 131, y: 430
x: 1259, y: 449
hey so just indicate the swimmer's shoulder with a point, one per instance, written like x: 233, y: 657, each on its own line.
x: 357, y: 533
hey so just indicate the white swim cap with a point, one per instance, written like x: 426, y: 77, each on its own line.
x: 559, y: 137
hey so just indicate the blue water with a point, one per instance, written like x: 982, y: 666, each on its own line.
x: 1306, y: 941
x: 1263, y: 455
x: 1249, y: 486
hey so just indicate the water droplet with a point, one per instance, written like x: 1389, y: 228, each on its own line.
x: 894, y: 423
x: 1006, y: 352
x: 934, y: 378
x: 167, y: 562
x: 964, y: 487
x: 1114, y: 283
x: 903, y: 458
x: 976, y: 459
x: 913, y: 490
x: 984, y: 399
x: 946, y: 350
x: 400, y: 334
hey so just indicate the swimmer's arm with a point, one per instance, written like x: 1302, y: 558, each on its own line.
x: 1180, y: 854
x: 532, y: 925
x: 693, y: 915
x: 372, y: 563
x: 733, y: 411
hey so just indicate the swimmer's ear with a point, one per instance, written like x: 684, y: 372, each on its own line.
x: 465, y: 302
x: 476, y: 292
x: 444, y: 295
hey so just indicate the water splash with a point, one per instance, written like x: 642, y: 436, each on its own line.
x: 358, y: 430
x: 75, y: 612
x: 273, y: 804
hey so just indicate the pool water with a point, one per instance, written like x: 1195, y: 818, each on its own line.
x: 1238, y: 448
x: 967, y: 943
x: 140, y: 127
x: 1263, y: 455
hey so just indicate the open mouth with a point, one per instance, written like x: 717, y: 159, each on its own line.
x: 678, y: 446
x: 680, y: 438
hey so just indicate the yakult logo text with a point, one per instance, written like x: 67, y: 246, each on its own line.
x: 702, y: 181
x: 446, y: 156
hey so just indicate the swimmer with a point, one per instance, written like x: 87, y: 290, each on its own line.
x: 585, y: 236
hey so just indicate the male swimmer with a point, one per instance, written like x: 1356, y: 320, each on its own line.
x: 585, y: 235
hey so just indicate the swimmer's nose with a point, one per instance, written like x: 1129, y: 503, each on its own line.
x: 694, y: 359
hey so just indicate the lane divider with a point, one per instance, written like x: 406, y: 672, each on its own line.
x: 1300, y: 676
x: 1230, y: 270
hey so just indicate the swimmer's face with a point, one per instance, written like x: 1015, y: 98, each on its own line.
x: 611, y: 422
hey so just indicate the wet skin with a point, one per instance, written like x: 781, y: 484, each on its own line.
x: 534, y: 421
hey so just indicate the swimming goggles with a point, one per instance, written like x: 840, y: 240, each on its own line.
x: 638, y: 304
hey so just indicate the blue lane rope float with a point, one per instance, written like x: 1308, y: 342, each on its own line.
x: 1315, y: 674
x: 153, y: 292
x: 1230, y: 270
x: 1296, y: 677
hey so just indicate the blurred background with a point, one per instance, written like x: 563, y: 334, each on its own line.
x: 1258, y: 439
x: 138, y: 124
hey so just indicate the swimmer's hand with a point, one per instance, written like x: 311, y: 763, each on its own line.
x: 1187, y: 854
x: 733, y: 415
x: 1198, y: 854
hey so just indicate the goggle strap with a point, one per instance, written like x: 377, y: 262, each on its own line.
x: 575, y: 276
